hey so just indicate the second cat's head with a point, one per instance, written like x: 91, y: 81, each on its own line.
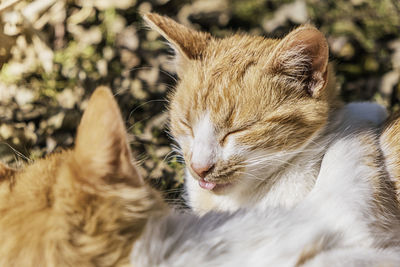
x: 243, y: 101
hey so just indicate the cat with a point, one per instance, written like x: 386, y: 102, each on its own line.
x: 254, y: 116
x: 346, y: 220
x: 80, y: 207
x: 89, y: 207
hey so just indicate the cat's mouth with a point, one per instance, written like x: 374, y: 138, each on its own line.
x: 211, y: 186
x: 220, y: 178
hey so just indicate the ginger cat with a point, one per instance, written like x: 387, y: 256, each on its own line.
x: 254, y: 116
x: 350, y: 218
x: 80, y: 207
x: 89, y: 207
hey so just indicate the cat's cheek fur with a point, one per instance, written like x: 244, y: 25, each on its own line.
x: 232, y: 148
x: 185, y: 142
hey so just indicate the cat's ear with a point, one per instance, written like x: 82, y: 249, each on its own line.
x: 303, y: 56
x: 102, y: 149
x: 5, y: 171
x: 188, y: 44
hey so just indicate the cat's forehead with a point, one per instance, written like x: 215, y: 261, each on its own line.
x: 248, y: 45
x: 232, y: 55
x: 230, y: 83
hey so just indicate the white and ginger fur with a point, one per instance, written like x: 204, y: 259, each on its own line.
x: 254, y: 116
x: 89, y: 207
x: 346, y: 220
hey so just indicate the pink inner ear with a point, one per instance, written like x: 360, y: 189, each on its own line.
x: 317, y: 48
x: 304, y: 51
x: 312, y: 44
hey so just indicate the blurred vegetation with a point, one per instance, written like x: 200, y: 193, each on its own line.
x: 53, y: 54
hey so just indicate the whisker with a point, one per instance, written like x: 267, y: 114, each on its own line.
x: 16, y: 152
x: 145, y: 103
x: 159, y: 69
x: 252, y: 176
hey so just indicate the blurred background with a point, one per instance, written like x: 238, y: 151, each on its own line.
x: 53, y: 54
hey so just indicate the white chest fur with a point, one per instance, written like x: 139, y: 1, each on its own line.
x: 337, y: 224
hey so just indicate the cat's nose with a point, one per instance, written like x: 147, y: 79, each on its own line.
x: 201, y: 170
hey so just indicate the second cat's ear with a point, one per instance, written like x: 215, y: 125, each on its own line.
x: 303, y: 56
x: 102, y: 151
x: 188, y: 44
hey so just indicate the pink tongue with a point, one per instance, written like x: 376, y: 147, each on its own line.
x: 206, y: 185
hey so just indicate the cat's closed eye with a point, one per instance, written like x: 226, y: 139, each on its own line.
x: 224, y: 139
x: 187, y: 127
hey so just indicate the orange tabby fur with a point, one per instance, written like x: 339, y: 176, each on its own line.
x: 223, y: 70
x: 263, y: 99
x: 86, y: 206
x: 81, y: 207
x: 224, y: 75
x: 390, y: 140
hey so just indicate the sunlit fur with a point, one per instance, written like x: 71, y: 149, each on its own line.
x: 346, y: 220
x: 89, y: 207
x: 389, y: 140
x: 271, y: 106
x: 82, y: 207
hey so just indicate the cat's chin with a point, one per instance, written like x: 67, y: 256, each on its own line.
x: 214, y: 187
